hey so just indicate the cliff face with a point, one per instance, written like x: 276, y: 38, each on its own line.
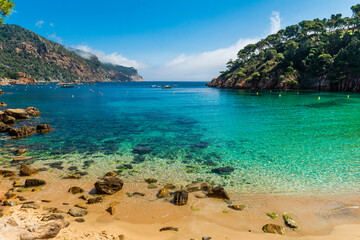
x: 24, y: 51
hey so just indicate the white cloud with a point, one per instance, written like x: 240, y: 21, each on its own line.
x: 39, y: 23
x: 113, y: 58
x: 55, y: 38
x: 51, y: 25
x: 275, y: 22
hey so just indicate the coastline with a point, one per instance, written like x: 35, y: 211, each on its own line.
x: 139, y: 217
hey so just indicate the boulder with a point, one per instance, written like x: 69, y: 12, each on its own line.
x: 24, y: 131
x: 4, y: 127
x: 142, y: 150
x: 17, y: 113
x: 75, y: 190
x: 77, y: 212
x: 289, y: 221
x: 180, y: 197
x: 8, y: 119
x: 223, y: 170
x: 2, y: 104
x: 273, y: 228
x: 34, y: 182
x: 108, y: 185
x: 218, y: 192
x: 43, y: 128
x: 32, y: 111
x: 26, y: 170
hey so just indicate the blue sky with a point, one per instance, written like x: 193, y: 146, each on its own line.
x: 167, y: 40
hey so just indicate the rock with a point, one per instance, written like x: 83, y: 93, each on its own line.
x: 218, y: 192
x: 81, y: 206
x: 30, y: 205
x: 169, y: 229
x: 111, y: 208
x: 7, y: 173
x: 32, y: 111
x: 50, y: 230
x: 43, y: 128
x: 52, y: 216
x: 2, y: 104
x: 20, y: 151
x: 77, y: 212
x: 163, y: 193
x: 151, y: 180
x: 21, y: 198
x: 108, y: 185
x: 170, y: 186
x: 9, y: 203
x: 4, y: 127
x: 94, y: 200
x: 272, y: 215
x: 180, y: 197
x: 26, y: 170
x: 10, y: 195
x: 152, y: 186
x: 289, y: 221
x: 73, y: 176
x: 138, y: 194
x: 204, y: 186
x: 200, y: 195
x: 34, y: 182
x: 111, y: 174
x: 75, y: 190
x: 17, y: 113
x: 237, y: 207
x: 223, y: 170
x: 206, y: 238
x: 24, y: 131
x: 8, y: 119
x: 18, y: 159
x: 142, y: 150
x: 80, y: 220
x: 273, y: 228
x: 83, y: 197
x: 201, y: 145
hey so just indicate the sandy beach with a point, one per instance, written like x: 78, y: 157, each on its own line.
x: 142, y: 215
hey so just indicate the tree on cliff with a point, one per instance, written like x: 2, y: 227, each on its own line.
x: 6, y: 7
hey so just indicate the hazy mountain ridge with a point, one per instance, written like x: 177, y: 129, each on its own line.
x: 24, y: 51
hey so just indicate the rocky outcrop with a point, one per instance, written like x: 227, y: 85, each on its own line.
x: 218, y: 192
x: 24, y: 131
x: 17, y: 113
x: 43, y: 128
x: 26, y: 170
x: 32, y: 111
x: 108, y: 185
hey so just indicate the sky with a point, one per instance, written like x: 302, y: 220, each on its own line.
x: 167, y: 40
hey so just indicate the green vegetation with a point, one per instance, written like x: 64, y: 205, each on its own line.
x: 6, y: 7
x: 272, y: 215
x: 299, y: 56
x: 24, y: 51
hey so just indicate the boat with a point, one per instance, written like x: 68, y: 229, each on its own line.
x: 153, y: 86
x: 166, y: 86
x: 67, y: 85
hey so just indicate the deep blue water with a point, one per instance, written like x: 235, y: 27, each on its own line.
x: 277, y: 142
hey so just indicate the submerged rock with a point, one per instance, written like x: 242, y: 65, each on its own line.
x: 108, y: 185
x: 223, y: 170
x: 20, y: 151
x: 34, y: 182
x: 204, y: 186
x: 3, y: 104
x: 180, y: 197
x: 4, y: 127
x: 273, y: 228
x: 151, y: 180
x: 43, y: 128
x: 142, y: 150
x: 218, y: 192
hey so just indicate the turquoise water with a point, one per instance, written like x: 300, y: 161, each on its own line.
x: 288, y: 144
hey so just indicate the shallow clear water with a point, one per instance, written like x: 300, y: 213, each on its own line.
x: 288, y: 144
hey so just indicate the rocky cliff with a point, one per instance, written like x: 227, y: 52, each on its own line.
x: 26, y: 52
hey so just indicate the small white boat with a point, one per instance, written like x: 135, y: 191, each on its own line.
x: 153, y: 86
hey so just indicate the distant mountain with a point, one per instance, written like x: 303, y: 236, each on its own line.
x: 320, y: 54
x: 24, y: 51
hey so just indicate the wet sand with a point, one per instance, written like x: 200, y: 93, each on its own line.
x: 141, y: 217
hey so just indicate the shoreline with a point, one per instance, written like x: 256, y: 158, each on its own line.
x: 138, y: 217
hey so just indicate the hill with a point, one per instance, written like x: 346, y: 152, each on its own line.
x: 24, y: 51
x: 319, y: 54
